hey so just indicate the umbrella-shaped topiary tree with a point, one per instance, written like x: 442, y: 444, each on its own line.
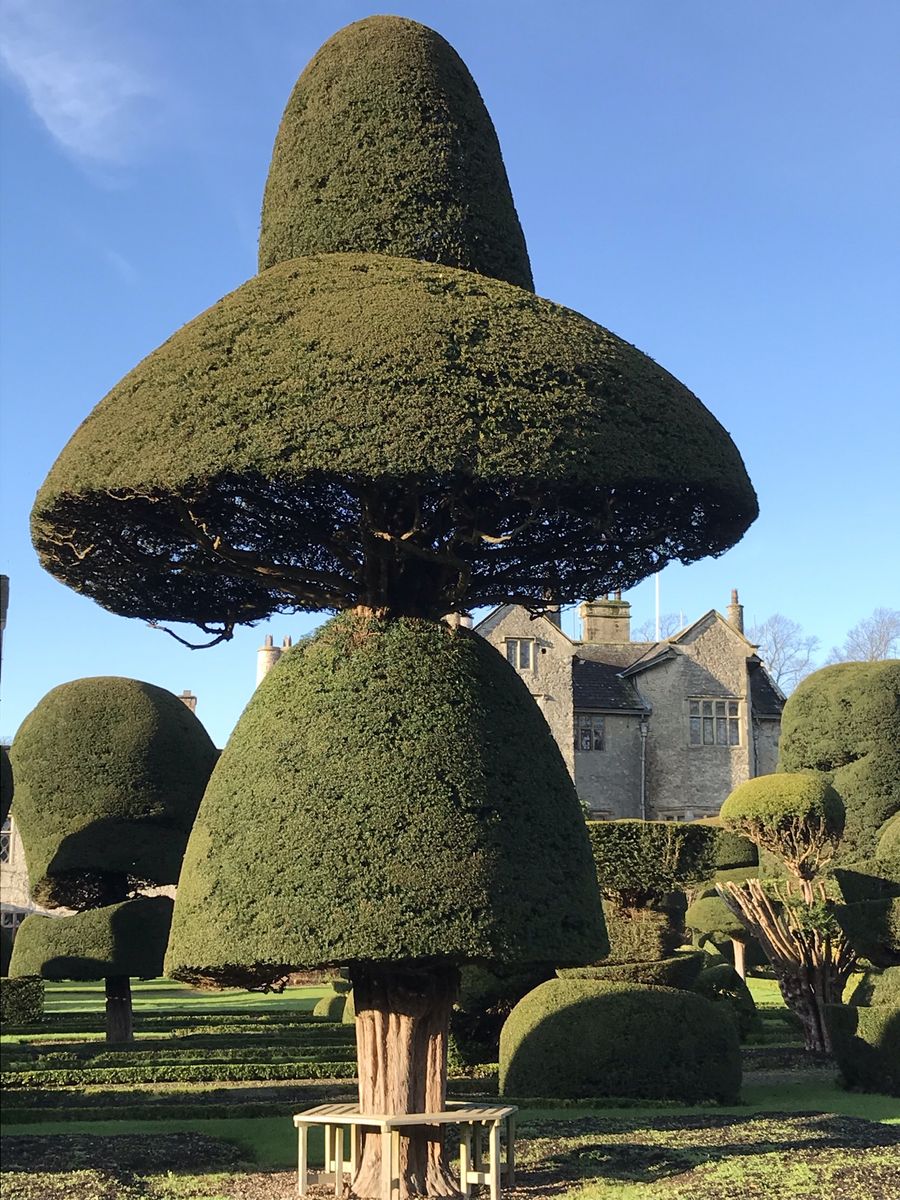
x: 387, y: 419
x: 109, y: 776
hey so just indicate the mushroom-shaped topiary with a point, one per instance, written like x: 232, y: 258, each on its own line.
x: 799, y: 818
x: 367, y: 428
x: 109, y: 775
x: 845, y: 719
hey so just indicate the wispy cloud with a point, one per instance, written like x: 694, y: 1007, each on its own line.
x: 80, y: 85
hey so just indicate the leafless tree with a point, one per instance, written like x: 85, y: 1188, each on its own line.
x: 872, y: 640
x: 785, y: 649
x: 669, y: 623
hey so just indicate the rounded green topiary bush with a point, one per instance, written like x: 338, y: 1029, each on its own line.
x: 866, y: 1044
x: 348, y: 1016
x: 374, y: 805
x: 386, y: 146
x: 845, y: 719
x: 721, y: 983
x: 887, y: 850
x: 121, y: 939
x: 109, y: 776
x: 641, y: 862
x: 572, y: 1038
x: 798, y: 817
x: 331, y: 1007
x: 872, y: 927
x: 679, y: 971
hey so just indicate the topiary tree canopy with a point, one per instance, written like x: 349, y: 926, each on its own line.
x: 393, y: 425
x: 109, y: 773
x: 798, y: 817
x: 374, y: 805
x: 845, y: 719
x: 641, y: 862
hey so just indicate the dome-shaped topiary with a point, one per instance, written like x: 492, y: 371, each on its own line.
x: 845, y: 719
x: 386, y: 146
x: 358, y: 429
x: 109, y: 776
x: 798, y: 817
x: 712, y: 918
x: 581, y: 1037
x: 887, y: 850
x: 391, y: 793
x: 120, y: 939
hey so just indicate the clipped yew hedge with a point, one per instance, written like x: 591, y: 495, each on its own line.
x: 641, y: 862
x: 845, y: 719
x: 387, y: 814
x: 679, y: 971
x: 119, y: 939
x: 572, y: 1038
x: 21, y: 1000
x: 109, y: 774
x: 386, y: 145
x: 866, y: 1043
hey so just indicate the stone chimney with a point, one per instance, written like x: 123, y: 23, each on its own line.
x: 266, y: 657
x: 606, y: 620
x: 189, y: 700
x: 736, y: 612
x: 458, y: 620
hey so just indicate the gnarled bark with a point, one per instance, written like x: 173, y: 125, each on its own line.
x: 402, y: 1024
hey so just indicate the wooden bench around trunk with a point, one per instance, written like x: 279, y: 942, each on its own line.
x: 477, y: 1164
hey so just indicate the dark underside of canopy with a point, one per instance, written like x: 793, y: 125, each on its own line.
x: 237, y: 549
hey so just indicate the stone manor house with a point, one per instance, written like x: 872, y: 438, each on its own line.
x: 662, y: 730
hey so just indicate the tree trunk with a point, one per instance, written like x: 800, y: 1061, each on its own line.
x: 402, y: 1023
x: 118, y: 1009
x: 740, y: 957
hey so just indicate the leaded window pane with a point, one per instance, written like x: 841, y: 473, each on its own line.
x: 721, y: 731
x: 512, y: 649
x: 695, y: 731
x: 525, y: 655
x: 734, y: 733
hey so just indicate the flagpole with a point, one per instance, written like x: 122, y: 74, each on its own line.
x: 656, y: 577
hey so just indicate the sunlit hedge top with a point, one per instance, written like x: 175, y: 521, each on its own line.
x: 343, y: 420
x: 845, y: 719
x: 798, y: 817
x: 391, y: 793
x: 109, y: 775
x: 386, y: 146
x: 120, y: 939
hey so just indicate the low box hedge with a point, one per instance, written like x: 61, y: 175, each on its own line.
x: 193, y: 1073
x: 679, y: 971
x: 21, y: 1001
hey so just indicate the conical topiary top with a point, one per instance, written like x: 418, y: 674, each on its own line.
x: 390, y: 793
x: 386, y: 146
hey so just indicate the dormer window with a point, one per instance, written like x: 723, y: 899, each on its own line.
x: 520, y: 652
x: 714, y: 723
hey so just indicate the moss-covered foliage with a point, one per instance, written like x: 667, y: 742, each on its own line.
x: 109, y: 775
x: 582, y: 1037
x: 845, y: 719
x: 867, y: 1046
x: 6, y: 783
x: 298, y: 446
x: 120, y: 939
x: 374, y: 804
x: 798, y: 817
x: 386, y: 146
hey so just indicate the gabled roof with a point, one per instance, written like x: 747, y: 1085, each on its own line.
x: 497, y: 614
x: 766, y: 697
x: 600, y: 685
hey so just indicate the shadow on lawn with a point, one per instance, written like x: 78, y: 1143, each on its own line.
x: 647, y: 1150
x: 121, y: 1154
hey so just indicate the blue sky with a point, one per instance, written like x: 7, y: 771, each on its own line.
x: 718, y: 184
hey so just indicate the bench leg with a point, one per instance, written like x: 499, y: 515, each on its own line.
x: 338, y: 1160
x: 465, y: 1159
x: 494, y: 1153
x: 302, y: 1159
x: 511, y: 1151
x: 387, y: 1167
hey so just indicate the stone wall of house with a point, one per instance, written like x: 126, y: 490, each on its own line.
x: 609, y: 780
x: 767, y: 733
x: 14, y: 891
x: 685, y: 780
x: 550, y: 678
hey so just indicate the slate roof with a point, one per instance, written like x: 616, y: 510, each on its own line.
x: 765, y: 695
x: 599, y: 685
